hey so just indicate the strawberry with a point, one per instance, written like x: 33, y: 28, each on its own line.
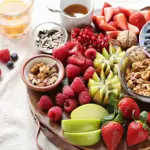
x: 148, y: 118
x: 146, y: 15
x: 112, y: 34
x: 112, y: 23
x: 126, y: 12
x: 116, y: 11
x: 106, y: 27
x: 127, y: 105
x: 108, y: 13
x: 121, y: 21
x: 137, y: 131
x: 133, y: 28
x: 77, y: 59
x: 137, y: 19
x: 104, y: 6
x: 112, y: 134
x: 97, y: 20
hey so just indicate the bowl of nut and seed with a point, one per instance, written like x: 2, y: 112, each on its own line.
x: 42, y: 73
x: 134, y: 73
x: 49, y: 35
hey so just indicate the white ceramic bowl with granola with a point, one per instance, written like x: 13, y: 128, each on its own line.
x: 134, y: 73
x: 42, y: 73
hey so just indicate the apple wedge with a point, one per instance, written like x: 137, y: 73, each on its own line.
x: 89, y: 111
x: 80, y: 125
x: 83, y: 139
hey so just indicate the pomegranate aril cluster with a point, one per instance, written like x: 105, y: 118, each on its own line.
x: 88, y: 39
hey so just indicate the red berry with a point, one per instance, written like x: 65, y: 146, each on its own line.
x: 148, y: 118
x: 55, y: 113
x: 0, y: 72
x: 70, y: 44
x: 72, y: 71
x: 84, y: 97
x: 68, y: 92
x: 4, y: 55
x: 45, y: 103
x: 60, y: 53
x: 78, y: 85
x: 60, y: 99
x: 88, y: 63
x: 77, y: 59
x: 70, y: 104
x: 90, y: 53
x: 89, y: 73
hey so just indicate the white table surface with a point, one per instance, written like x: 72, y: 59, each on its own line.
x: 17, y: 126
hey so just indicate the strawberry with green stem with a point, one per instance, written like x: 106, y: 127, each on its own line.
x: 138, y: 131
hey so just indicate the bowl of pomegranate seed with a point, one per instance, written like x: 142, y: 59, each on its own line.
x: 42, y: 73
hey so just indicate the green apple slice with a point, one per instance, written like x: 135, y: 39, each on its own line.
x: 110, y: 76
x: 99, y: 56
x: 95, y: 77
x: 93, y: 90
x: 107, y: 70
x: 89, y: 111
x: 105, y: 102
x: 122, y: 54
x: 80, y: 125
x: 105, y: 53
x: 92, y: 83
x: 112, y: 50
x: 83, y: 139
x: 119, y: 50
x: 115, y: 69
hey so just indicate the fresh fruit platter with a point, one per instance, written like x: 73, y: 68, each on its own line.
x: 94, y: 91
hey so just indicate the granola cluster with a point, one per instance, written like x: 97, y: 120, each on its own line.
x: 138, y: 77
x: 43, y: 75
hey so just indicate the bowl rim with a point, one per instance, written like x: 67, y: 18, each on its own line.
x: 141, y: 33
x: 54, y: 23
x: 124, y: 85
x: 50, y: 87
x: 75, y: 18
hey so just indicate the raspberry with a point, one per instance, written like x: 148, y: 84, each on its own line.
x: 88, y: 73
x: 77, y: 59
x: 4, y: 55
x: 0, y: 72
x: 70, y: 45
x: 148, y: 118
x: 88, y: 63
x: 60, y: 99
x: 72, y: 71
x: 60, y: 53
x: 84, y: 97
x: 55, y: 113
x: 45, y: 103
x: 70, y: 104
x: 68, y: 92
x: 90, y: 53
x: 77, y: 85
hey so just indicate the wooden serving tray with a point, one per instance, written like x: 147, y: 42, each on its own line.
x: 54, y: 132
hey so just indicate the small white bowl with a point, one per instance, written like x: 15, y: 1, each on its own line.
x: 47, y: 59
x: 72, y: 22
x: 49, y: 26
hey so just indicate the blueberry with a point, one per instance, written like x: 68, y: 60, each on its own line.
x: 14, y: 56
x: 10, y: 64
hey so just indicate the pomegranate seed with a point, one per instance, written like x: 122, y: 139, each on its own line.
x: 101, y: 36
x: 74, y: 35
x: 76, y: 30
x: 81, y: 33
x: 90, y: 46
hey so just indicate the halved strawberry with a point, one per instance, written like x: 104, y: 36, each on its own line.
x: 112, y: 23
x: 105, y: 6
x: 126, y: 12
x: 97, y: 20
x: 108, y: 13
x: 133, y: 28
x: 146, y: 14
x: 112, y: 34
x: 137, y: 19
x: 106, y: 27
x: 121, y: 21
x: 116, y: 11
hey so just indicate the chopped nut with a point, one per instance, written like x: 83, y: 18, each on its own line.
x: 130, y: 84
x: 30, y: 77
